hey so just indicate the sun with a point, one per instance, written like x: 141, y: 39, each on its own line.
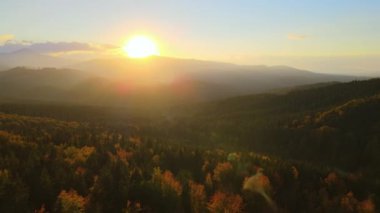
x: 140, y: 47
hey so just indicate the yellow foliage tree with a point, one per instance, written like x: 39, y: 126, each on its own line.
x: 70, y: 202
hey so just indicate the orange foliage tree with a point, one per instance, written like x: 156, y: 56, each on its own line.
x: 197, y: 197
x: 221, y: 202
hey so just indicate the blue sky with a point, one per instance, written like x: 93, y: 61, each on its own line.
x: 303, y: 33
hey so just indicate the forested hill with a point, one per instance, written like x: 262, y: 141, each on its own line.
x: 50, y: 165
x: 336, y: 125
x: 313, y: 150
x: 298, y: 99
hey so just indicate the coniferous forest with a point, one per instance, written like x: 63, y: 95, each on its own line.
x: 311, y: 149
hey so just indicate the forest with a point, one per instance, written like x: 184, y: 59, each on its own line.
x: 312, y: 149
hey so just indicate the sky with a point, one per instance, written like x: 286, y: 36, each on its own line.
x: 340, y: 36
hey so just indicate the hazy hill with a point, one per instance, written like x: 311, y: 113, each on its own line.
x: 74, y: 86
x: 2, y: 67
x: 60, y: 78
x: 244, y: 79
x: 154, y: 81
x: 45, y: 84
x: 30, y: 58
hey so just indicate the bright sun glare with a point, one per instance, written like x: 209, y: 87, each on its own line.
x: 140, y: 47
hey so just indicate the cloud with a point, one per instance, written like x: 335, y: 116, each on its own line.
x: 297, y: 37
x: 54, y: 47
x: 6, y: 37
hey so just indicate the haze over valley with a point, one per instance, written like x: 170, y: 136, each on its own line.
x: 119, y: 81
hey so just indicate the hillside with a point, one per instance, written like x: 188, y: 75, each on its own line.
x: 38, y: 84
x: 339, y: 122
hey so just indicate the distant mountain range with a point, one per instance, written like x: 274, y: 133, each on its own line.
x: 244, y: 79
x: 30, y: 58
x: 153, y: 80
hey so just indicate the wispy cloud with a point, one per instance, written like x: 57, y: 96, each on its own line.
x: 297, y: 37
x: 6, y: 37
